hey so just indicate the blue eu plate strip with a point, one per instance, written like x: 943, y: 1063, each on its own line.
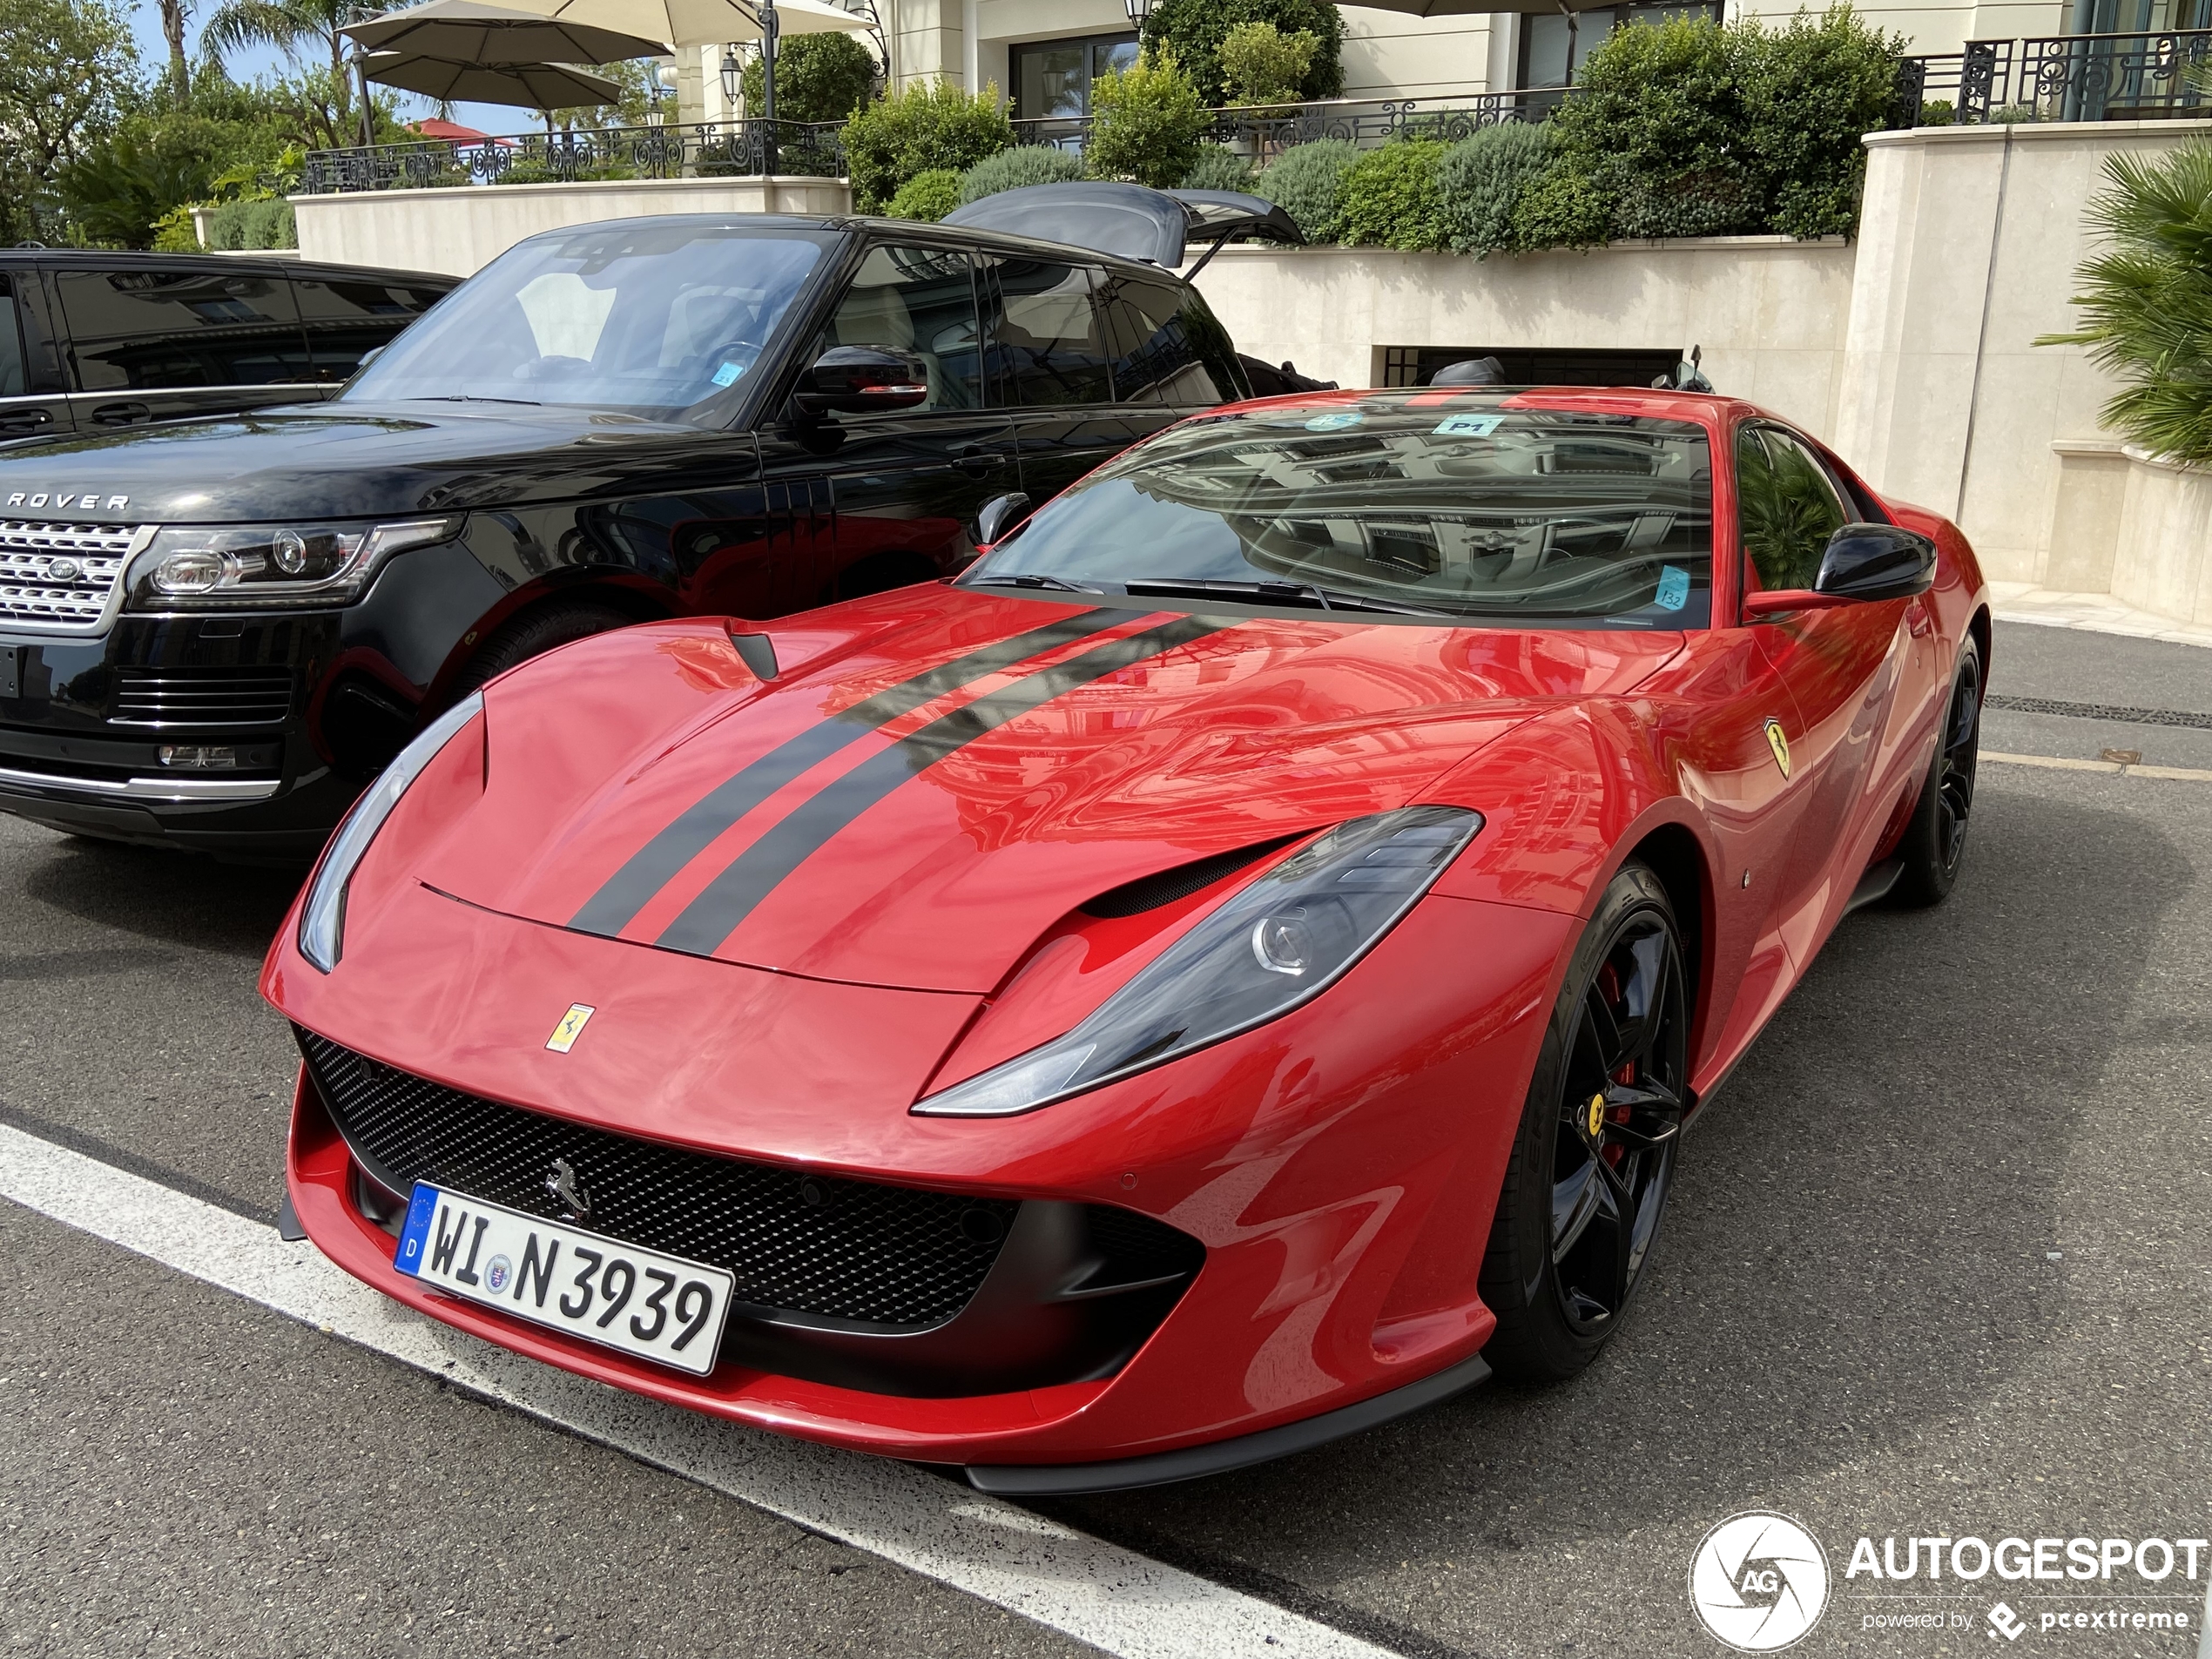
x: 415, y: 1237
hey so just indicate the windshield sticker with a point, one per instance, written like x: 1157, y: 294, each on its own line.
x: 727, y: 374
x: 1673, y: 588
x: 1468, y: 426
x: 1335, y: 421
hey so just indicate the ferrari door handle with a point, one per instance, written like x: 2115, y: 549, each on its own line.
x: 977, y: 461
x: 1917, y: 619
x: 120, y: 414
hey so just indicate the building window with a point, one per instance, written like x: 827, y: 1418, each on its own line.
x: 1546, y: 39
x: 1052, y: 78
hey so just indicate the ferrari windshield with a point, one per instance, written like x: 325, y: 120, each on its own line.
x: 1464, y: 507
x: 648, y: 318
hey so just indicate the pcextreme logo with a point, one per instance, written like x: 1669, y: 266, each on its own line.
x: 1759, y: 1581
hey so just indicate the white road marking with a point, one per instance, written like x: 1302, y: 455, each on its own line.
x: 1094, y: 1591
x: 2135, y: 769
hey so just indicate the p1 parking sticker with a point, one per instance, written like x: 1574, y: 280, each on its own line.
x: 1468, y: 426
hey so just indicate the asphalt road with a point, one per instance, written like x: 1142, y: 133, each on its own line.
x: 1938, y: 1263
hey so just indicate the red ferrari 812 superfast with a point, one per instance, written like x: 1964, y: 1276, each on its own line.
x: 1231, y: 967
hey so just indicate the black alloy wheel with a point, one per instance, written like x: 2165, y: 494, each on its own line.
x: 1594, y: 1160
x: 1934, y: 843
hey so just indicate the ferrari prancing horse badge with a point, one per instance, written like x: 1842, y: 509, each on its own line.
x: 571, y: 1027
x: 1780, y: 745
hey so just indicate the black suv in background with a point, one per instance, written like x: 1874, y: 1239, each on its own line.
x: 213, y: 631
x: 89, y: 341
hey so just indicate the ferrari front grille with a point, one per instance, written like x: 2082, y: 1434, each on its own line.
x: 796, y: 1243
x: 61, y: 577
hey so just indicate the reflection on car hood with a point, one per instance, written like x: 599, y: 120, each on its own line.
x: 937, y: 776
x: 344, y: 461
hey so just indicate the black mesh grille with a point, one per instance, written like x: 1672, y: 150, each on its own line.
x: 795, y: 1242
x: 197, y: 697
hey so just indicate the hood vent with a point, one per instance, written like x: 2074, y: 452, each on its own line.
x: 1164, y: 888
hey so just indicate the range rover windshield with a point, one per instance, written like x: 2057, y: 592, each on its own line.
x: 654, y: 319
x: 1466, y: 508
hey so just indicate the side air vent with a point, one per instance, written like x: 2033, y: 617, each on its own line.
x: 1150, y: 892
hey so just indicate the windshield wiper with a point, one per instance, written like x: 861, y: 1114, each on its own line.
x: 1027, y: 579
x: 471, y: 397
x: 1268, y: 593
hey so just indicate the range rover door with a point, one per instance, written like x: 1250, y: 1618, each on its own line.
x: 1051, y: 352
x: 30, y: 404
x: 902, y: 488
x: 151, y: 343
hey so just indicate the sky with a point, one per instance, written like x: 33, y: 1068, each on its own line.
x: 145, y: 20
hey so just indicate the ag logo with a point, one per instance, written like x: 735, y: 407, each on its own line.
x: 1759, y: 1581
x: 1779, y: 740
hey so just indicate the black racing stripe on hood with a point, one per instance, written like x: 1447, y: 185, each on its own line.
x: 656, y: 863
x: 756, y: 873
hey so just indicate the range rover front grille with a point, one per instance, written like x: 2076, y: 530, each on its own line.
x: 795, y: 1242
x: 202, y: 697
x: 61, y: 577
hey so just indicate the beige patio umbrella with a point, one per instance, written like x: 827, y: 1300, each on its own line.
x: 701, y: 22
x: 531, y: 86
x: 1476, y: 7
x: 466, y: 32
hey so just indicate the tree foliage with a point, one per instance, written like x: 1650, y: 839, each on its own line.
x: 819, y: 77
x: 924, y: 127
x: 927, y: 196
x: 1813, y: 90
x: 2145, y: 301
x: 67, y: 70
x: 1195, y: 29
x: 1261, y: 64
x: 1389, y: 199
x: 1145, y: 122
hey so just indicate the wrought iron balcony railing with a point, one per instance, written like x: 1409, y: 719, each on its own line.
x: 2148, y: 77
x: 698, y: 150
x: 1263, y: 131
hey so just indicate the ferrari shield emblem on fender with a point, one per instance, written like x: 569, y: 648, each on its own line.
x: 571, y: 1027
x: 1780, y: 743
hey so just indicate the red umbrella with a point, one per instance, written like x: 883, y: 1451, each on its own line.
x: 452, y: 130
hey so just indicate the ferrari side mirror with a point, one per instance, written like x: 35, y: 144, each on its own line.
x: 1000, y: 515
x: 1876, y: 562
x: 854, y: 380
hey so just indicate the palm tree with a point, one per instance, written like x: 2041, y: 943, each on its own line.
x: 289, y: 25
x: 173, y: 13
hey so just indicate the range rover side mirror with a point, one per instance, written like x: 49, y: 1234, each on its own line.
x: 854, y: 380
x: 1000, y: 514
x: 1861, y: 562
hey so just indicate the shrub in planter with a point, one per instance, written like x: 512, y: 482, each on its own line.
x: 1218, y: 169
x: 1938, y: 112
x: 1391, y: 197
x: 1145, y: 124
x: 2146, y: 301
x: 1026, y: 164
x: 1563, y: 207
x: 819, y: 77
x: 1811, y: 90
x: 924, y: 127
x: 253, y: 223
x: 927, y: 196
x: 1482, y: 180
x: 1307, y: 182
x: 1194, y: 32
x: 1261, y: 64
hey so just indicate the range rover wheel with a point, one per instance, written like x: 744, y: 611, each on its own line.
x: 1596, y: 1152
x: 536, y: 631
x: 1934, y: 844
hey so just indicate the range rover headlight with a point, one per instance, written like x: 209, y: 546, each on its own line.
x: 1276, y: 943
x: 322, y: 919
x: 190, y: 567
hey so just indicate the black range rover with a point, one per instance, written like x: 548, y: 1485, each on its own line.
x: 214, y: 632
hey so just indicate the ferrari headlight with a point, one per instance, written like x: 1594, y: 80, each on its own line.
x: 322, y: 919
x: 190, y: 568
x: 1278, y: 942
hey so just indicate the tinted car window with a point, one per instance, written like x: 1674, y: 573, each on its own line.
x: 920, y: 301
x: 147, y: 327
x: 1171, y: 349
x: 346, y: 316
x: 1551, y: 517
x: 1787, y: 506
x: 13, y: 383
x: 659, y: 318
x: 1048, y: 338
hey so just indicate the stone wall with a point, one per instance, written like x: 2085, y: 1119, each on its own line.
x: 462, y: 230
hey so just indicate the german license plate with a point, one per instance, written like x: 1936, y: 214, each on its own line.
x: 657, y: 1307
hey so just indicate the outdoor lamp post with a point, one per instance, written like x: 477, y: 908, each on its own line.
x: 729, y: 76
x: 1138, y: 11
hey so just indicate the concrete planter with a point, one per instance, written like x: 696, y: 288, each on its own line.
x: 2165, y: 561
x: 462, y: 230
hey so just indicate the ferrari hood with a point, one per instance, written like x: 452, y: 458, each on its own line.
x: 933, y: 778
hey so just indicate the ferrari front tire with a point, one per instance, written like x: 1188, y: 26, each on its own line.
x: 1934, y: 844
x: 1594, y: 1154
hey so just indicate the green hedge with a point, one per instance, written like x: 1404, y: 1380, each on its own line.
x: 1307, y: 182
x: 1193, y: 30
x: 1145, y: 122
x: 1024, y: 165
x: 1218, y: 168
x: 1482, y: 180
x: 927, y: 196
x: 921, y: 129
x: 251, y: 225
x: 1391, y: 197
